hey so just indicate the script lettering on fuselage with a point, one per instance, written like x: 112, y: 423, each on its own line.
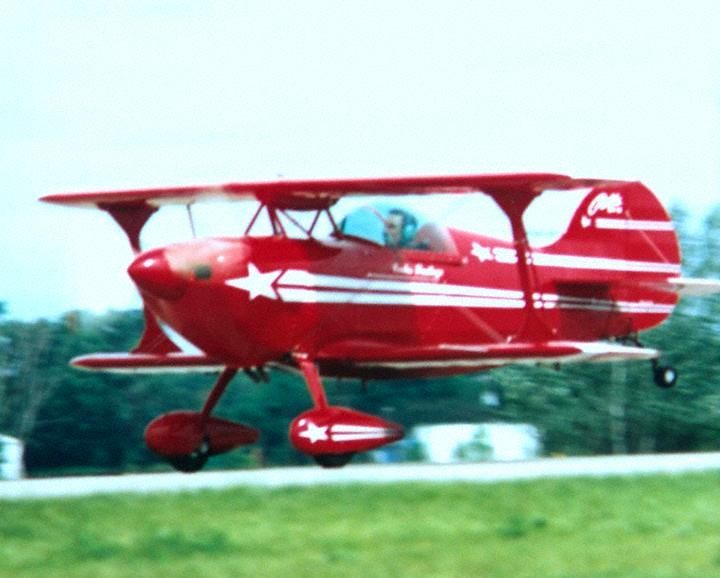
x: 610, y: 203
x: 418, y: 270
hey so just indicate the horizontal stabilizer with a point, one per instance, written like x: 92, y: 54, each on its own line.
x: 690, y: 286
x: 147, y: 363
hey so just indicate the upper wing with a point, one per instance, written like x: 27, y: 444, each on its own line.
x: 320, y: 193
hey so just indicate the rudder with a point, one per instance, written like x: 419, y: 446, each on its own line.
x: 611, y: 273
x: 623, y: 221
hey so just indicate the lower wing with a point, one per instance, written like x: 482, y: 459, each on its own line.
x: 148, y: 362
x: 459, y: 358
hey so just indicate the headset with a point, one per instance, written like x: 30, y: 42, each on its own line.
x: 409, y: 227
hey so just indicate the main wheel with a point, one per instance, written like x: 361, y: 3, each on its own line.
x: 665, y: 376
x: 193, y: 462
x: 333, y: 460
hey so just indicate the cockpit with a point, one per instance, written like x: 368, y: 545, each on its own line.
x: 397, y: 228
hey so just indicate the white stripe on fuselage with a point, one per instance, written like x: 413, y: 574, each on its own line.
x: 552, y: 301
x: 300, y: 286
x: 508, y: 256
x: 301, y: 295
x: 300, y: 278
x: 602, y: 264
x: 633, y: 225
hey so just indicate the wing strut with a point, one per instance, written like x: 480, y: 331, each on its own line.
x: 514, y: 204
x: 154, y: 340
x: 131, y: 217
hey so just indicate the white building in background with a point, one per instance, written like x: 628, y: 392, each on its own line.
x: 472, y: 442
x: 11, y: 458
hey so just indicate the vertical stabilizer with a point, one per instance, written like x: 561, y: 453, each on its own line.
x: 609, y: 274
x: 623, y: 222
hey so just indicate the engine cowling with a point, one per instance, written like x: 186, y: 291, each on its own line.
x: 339, y: 430
x: 180, y: 433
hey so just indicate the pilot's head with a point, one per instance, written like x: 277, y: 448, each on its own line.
x: 399, y: 229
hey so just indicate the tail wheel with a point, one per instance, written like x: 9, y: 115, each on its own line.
x: 193, y: 462
x: 665, y: 376
x: 333, y: 460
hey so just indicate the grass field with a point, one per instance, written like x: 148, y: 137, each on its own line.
x: 660, y: 526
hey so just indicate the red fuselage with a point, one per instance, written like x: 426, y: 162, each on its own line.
x: 368, y: 310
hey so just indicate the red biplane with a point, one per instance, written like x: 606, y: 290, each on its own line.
x: 381, y: 293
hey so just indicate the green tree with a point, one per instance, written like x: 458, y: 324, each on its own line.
x: 25, y: 384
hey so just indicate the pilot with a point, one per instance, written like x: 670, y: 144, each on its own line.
x: 399, y: 229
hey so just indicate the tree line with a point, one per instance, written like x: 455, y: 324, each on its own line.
x: 77, y: 421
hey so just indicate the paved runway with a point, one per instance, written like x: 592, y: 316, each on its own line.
x: 376, y: 473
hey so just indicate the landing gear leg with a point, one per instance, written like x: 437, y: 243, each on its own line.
x: 216, y: 392
x: 664, y: 376
x: 196, y: 460
x: 314, y: 383
x: 186, y: 439
x: 319, y: 397
x: 332, y: 434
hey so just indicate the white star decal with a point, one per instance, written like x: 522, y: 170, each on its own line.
x: 256, y: 283
x: 315, y: 433
x: 481, y: 252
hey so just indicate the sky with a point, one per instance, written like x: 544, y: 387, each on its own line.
x: 113, y: 95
